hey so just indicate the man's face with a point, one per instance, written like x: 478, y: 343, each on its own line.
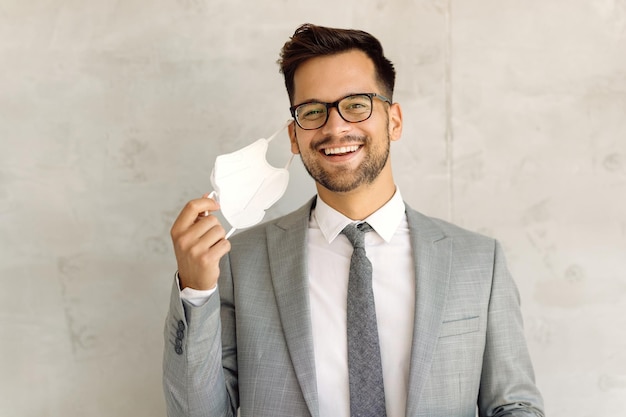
x: 343, y: 156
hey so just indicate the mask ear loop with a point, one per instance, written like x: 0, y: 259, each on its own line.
x: 230, y: 233
x: 289, y: 162
x: 215, y: 197
x: 287, y: 123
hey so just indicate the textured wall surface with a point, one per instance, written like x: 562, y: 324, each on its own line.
x: 112, y: 113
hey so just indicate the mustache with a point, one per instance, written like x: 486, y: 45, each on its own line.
x: 327, y: 140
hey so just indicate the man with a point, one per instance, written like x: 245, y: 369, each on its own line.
x: 276, y: 337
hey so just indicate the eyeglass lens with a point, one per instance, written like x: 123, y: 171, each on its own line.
x: 353, y: 109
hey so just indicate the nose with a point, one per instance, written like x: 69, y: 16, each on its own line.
x: 335, y: 125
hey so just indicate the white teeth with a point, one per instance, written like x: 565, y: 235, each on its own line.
x: 343, y: 149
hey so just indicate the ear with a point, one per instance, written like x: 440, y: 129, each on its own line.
x: 395, y: 122
x: 295, y: 149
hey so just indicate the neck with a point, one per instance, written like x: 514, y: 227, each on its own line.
x: 361, y: 202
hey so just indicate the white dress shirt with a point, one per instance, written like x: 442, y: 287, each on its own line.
x: 329, y: 253
x: 389, y: 250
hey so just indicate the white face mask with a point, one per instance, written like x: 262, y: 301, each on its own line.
x: 246, y: 185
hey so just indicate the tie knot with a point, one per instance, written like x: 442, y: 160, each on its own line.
x: 356, y: 233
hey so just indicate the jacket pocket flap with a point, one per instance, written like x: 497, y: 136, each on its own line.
x: 460, y: 326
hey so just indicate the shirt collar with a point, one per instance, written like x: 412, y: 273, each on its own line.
x: 384, y: 221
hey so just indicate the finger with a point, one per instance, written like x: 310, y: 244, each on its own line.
x: 200, y: 269
x: 200, y: 227
x: 211, y: 244
x: 212, y: 238
x: 212, y: 195
x: 188, y: 215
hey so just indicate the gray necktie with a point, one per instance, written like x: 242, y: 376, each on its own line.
x: 367, y: 393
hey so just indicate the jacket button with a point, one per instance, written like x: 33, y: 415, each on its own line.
x: 181, y: 325
x: 180, y: 334
x: 178, y: 350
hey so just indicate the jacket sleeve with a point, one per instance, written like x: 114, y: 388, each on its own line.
x: 507, y: 386
x: 197, y: 379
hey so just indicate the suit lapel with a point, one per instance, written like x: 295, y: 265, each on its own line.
x: 287, y: 242
x: 432, y: 258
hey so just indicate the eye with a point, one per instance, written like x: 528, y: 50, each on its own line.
x: 311, y: 112
x: 355, y: 104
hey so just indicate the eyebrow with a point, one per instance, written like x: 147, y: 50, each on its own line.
x: 316, y: 100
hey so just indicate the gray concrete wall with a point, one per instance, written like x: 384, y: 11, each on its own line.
x: 112, y: 113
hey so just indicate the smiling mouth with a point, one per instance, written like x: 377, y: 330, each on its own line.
x: 342, y: 150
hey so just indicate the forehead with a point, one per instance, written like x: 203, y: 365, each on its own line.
x: 328, y: 78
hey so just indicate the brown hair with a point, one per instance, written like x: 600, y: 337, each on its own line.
x: 309, y: 41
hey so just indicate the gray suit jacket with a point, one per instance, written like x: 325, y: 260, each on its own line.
x: 252, y: 347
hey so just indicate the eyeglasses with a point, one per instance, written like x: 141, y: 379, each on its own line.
x: 353, y: 109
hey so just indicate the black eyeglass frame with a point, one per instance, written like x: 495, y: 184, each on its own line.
x: 335, y: 104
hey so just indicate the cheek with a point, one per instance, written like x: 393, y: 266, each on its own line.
x: 300, y: 142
